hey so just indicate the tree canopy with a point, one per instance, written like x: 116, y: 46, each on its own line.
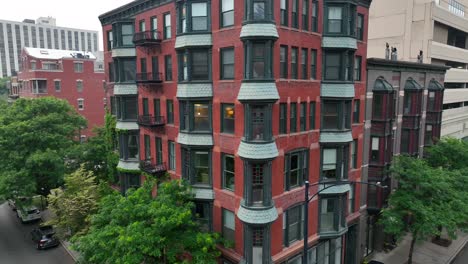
x: 35, y: 137
x: 141, y: 229
x: 428, y: 198
x: 73, y: 205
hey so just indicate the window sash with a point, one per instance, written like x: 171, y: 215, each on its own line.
x: 227, y: 13
x: 304, y: 58
x: 167, y: 26
x: 228, y: 172
x: 305, y: 14
x: 228, y: 118
x: 293, y: 118
x: 294, y: 63
x: 284, y: 62
x: 170, y: 111
x: 302, y: 116
x: 227, y: 63
x: 171, y: 152
x: 283, y: 118
x: 312, y: 116
x: 284, y: 12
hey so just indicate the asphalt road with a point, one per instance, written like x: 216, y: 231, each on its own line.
x: 462, y: 258
x: 16, y: 246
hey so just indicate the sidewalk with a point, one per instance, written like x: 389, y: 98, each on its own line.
x: 424, y: 252
x: 46, y: 216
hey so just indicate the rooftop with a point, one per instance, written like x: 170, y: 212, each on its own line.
x: 53, y: 54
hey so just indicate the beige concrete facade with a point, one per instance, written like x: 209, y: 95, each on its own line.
x: 428, y: 25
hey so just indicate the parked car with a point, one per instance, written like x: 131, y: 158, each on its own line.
x: 28, y: 214
x: 44, y: 237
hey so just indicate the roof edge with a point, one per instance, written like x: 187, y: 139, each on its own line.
x: 376, y: 62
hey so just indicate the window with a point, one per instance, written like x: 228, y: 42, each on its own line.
x: 228, y: 118
x: 128, y: 181
x: 78, y: 66
x: 229, y: 225
x: 357, y: 68
x: 154, y: 24
x: 407, y: 103
x: 228, y: 172
x: 199, y: 16
x: 123, y: 34
x: 127, y: 107
x: 79, y: 86
x: 293, y: 118
x: 305, y: 14
x: 332, y: 214
x: 143, y: 69
x: 58, y: 85
x: 203, y: 215
x: 142, y: 25
x: 182, y: 17
x: 356, y: 111
x: 167, y: 26
x: 377, y: 103
x: 227, y: 63
x: 196, y: 166
x: 194, y: 65
x: 172, y: 157
x: 428, y: 136
x: 257, y: 245
x: 351, y: 201
x: 335, y: 19
x: 129, y: 146
x: 293, y: 223
x: 283, y: 118
x: 125, y: 69
x: 304, y: 64
x: 354, y: 150
x: 258, y: 60
x: 227, y: 13
x: 328, y: 252
x: 302, y: 116
x: 294, y: 14
x: 147, y: 147
x: 168, y: 67
x: 294, y: 54
x: 335, y: 163
x: 375, y: 146
x: 170, y: 111
x: 284, y: 12
x: 159, y: 154
x: 314, y: 18
x: 313, y: 64
x: 33, y: 65
x: 80, y: 104
x: 195, y: 116
x: 295, y: 168
x: 339, y: 65
x: 258, y: 128
x: 110, y: 40
x: 405, y: 141
x: 258, y: 182
x: 259, y: 12
x: 284, y: 62
x: 145, y: 107
x: 312, y: 116
x: 336, y: 115
x: 431, y: 101
x: 360, y: 27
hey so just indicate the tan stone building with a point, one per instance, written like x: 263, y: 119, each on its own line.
x: 438, y: 28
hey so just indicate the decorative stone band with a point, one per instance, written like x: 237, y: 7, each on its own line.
x: 127, y: 125
x: 336, y: 137
x: 259, y: 30
x: 195, y: 40
x: 125, y: 89
x: 191, y: 90
x: 129, y: 165
x: 255, y: 91
x: 339, y: 42
x: 257, y: 216
x: 195, y: 139
x: 339, y: 189
x: 123, y: 52
x: 203, y: 194
x: 340, y: 90
x: 257, y: 151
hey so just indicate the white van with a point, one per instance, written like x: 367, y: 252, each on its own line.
x: 28, y: 214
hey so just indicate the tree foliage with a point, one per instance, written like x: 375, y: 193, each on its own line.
x: 73, y: 205
x: 142, y: 229
x: 427, y: 198
x: 35, y: 138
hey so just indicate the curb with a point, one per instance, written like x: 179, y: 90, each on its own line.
x: 457, y: 252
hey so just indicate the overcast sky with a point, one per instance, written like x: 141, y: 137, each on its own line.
x: 75, y: 14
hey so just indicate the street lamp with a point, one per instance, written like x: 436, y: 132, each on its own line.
x: 307, y: 200
x: 42, y: 196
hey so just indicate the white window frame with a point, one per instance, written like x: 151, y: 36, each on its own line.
x: 80, y: 102
x: 55, y: 85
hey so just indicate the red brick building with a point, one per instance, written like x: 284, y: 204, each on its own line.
x: 75, y: 76
x: 246, y: 100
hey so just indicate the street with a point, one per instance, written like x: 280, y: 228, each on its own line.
x: 16, y: 246
x: 462, y: 258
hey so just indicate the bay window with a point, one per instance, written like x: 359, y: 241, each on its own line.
x: 340, y: 19
x: 123, y: 34
x: 195, y: 116
x: 336, y: 115
x: 194, y: 65
x: 258, y: 10
x: 127, y: 108
x: 129, y: 146
x: 258, y: 58
x: 338, y: 65
x: 332, y: 214
x: 125, y: 70
x: 196, y: 166
x: 257, y: 183
x: 334, y: 165
x: 192, y: 17
x: 258, y: 123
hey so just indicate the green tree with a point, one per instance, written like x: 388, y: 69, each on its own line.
x: 73, y: 205
x: 449, y: 153
x: 426, y: 199
x: 35, y: 138
x: 142, y: 229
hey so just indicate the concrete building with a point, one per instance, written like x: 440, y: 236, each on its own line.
x: 246, y: 100
x: 439, y: 28
x: 44, y: 34
x: 403, y: 116
x: 75, y: 76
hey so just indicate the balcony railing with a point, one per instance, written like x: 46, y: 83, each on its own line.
x: 149, y: 167
x: 149, y: 77
x: 151, y: 121
x: 147, y: 38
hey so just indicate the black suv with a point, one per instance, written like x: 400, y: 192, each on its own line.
x: 44, y: 237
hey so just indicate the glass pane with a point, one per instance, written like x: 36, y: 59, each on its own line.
x: 327, y: 215
x: 199, y: 9
x: 258, y: 125
x: 202, y: 167
x: 335, y: 12
x: 229, y: 219
x: 201, y: 119
x: 200, y: 65
x: 227, y: 5
x: 259, y: 10
x: 228, y: 18
x: 199, y: 23
x: 228, y: 119
x: 127, y: 29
